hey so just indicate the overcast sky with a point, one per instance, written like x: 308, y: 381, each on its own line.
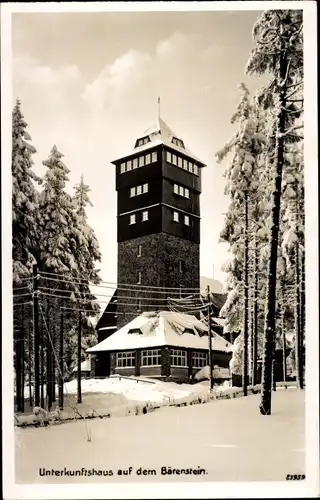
x: 89, y: 83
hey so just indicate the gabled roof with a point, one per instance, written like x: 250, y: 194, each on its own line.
x: 155, y: 329
x: 159, y: 134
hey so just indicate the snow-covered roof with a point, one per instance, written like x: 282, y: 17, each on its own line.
x: 158, y: 134
x: 155, y: 329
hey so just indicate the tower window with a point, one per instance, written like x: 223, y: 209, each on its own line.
x: 145, y: 215
x: 135, y: 163
x: 180, y: 162
x: 195, y: 169
x: 190, y: 167
x: 169, y: 156
x: 148, y: 159
x: 129, y: 165
x: 187, y: 220
x: 185, y: 164
x: 176, y: 216
x: 174, y: 159
x: 154, y: 156
x: 181, y: 191
x: 139, y: 250
x: 141, y: 161
x: 122, y: 168
x: 137, y: 190
x: 133, y: 219
x: 139, y: 278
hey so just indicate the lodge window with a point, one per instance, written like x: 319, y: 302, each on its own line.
x: 187, y: 220
x: 176, y: 188
x: 125, y: 359
x: 199, y: 359
x: 178, y: 358
x: 151, y: 357
x: 145, y: 188
x: 133, y: 219
x: 139, y: 190
x: 176, y: 216
x: 145, y: 216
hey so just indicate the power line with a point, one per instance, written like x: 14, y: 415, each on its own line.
x: 118, y: 285
x: 21, y: 295
x: 105, y: 295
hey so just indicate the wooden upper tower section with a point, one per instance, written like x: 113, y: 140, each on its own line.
x: 159, y: 186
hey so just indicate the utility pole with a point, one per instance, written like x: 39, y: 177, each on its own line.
x: 36, y: 336
x: 79, y: 357
x: 210, y: 339
x: 61, y: 361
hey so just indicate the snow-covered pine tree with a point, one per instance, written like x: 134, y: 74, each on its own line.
x: 56, y: 254
x: 278, y: 51
x: 246, y: 146
x: 24, y: 198
x: 24, y: 244
x: 293, y: 242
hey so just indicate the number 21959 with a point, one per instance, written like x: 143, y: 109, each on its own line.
x: 295, y: 477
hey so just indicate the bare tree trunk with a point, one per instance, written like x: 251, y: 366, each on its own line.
x: 246, y: 303
x: 270, y: 320
x: 298, y: 343
x: 61, y: 360
x: 79, y: 358
x: 283, y: 332
x: 255, y: 316
x: 49, y: 357
x: 30, y: 355
x: 302, y: 311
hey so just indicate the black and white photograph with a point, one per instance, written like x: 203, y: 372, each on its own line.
x: 159, y: 250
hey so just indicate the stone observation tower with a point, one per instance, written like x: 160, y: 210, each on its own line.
x: 158, y: 185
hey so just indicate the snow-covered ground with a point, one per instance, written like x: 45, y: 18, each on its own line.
x: 229, y: 439
x: 139, y: 390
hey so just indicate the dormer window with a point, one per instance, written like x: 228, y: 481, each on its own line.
x: 142, y: 141
x: 177, y: 142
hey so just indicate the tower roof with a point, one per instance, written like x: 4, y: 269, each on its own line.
x: 161, y: 133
